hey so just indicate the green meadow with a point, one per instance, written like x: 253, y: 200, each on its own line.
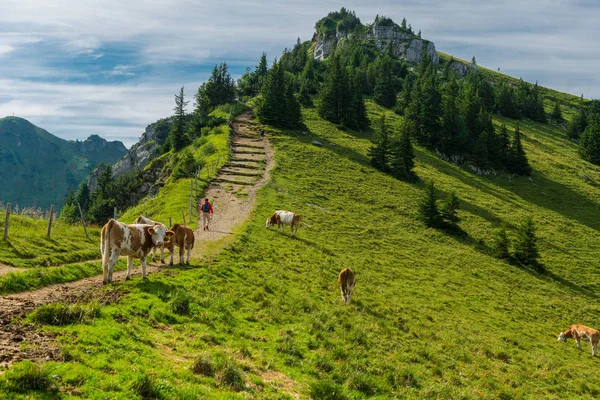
x: 433, y: 314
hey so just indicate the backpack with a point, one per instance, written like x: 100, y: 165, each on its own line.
x: 205, y: 207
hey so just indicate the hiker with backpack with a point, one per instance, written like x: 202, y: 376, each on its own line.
x: 207, y: 211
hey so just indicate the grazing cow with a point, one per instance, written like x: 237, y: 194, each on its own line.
x: 282, y: 218
x: 578, y: 332
x: 130, y: 240
x: 148, y: 221
x: 347, y: 282
x: 182, y: 237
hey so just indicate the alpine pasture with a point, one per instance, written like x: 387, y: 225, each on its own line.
x: 433, y: 314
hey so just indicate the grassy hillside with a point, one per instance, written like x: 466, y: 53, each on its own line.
x: 174, y: 196
x: 38, y: 168
x: 433, y: 315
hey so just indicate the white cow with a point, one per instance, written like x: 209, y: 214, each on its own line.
x: 130, y: 240
x: 282, y: 218
x: 148, y: 221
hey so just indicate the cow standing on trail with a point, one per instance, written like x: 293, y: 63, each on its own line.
x: 207, y: 211
x: 182, y: 237
x: 347, y: 280
x: 132, y: 241
x: 147, y: 221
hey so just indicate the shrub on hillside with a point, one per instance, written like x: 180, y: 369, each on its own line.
x: 184, y: 165
x: 27, y: 376
x: 501, y: 244
x: 204, y: 365
x: 327, y: 390
x: 228, y: 374
x: 60, y: 314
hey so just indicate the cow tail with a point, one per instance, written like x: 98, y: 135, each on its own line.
x: 106, y: 250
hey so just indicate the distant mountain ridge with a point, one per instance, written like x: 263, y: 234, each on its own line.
x: 38, y: 168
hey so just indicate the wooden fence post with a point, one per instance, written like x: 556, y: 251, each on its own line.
x: 115, y: 214
x: 183, y: 216
x: 191, y: 195
x: 146, y: 214
x: 51, y: 219
x: 6, y: 221
x: 170, y: 223
x: 83, y: 220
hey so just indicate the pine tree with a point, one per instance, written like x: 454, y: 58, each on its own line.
x: 177, y: 135
x: 589, y: 144
x: 452, y: 125
x: 380, y: 151
x: 403, y: 25
x: 503, y: 146
x: 201, y: 111
x: 525, y: 248
x: 356, y: 115
x: 331, y: 101
x: 557, y: 114
x: 579, y: 123
x: 403, y: 157
x: 278, y: 106
x: 501, y: 244
x: 428, y: 210
x: 449, y: 210
x: 518, y: 163
x: 384, y: 92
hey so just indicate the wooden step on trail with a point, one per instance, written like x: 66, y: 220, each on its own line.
x: 248, y: 157
x: 233, y: 182
x: 241, y: 165
x: 248, y: 146
x: 240, y: 171
x: 237, y: 151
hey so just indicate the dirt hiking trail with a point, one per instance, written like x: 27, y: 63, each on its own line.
x: 233, y: 196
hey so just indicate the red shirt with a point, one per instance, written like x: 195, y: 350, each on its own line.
x: 210, y: 209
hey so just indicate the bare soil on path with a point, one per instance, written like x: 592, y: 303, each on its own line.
x: 232, y: 203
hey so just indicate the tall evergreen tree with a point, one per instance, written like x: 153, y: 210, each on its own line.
x: 278, y: 106
x: 579, y: 122
x: 177, y: 136
x: 380, y: 150
x: 557, y: 114
x: 589, y: 145
x: 334, y: 94
x: 525, y: 247
x: 449, y: 209
x: 402, y: 159
x: 518, y: 159
x: 452, y: 135
x: 429, y: 213
x: 384, y: 92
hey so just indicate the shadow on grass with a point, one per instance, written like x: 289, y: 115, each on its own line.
x: 540, y: 191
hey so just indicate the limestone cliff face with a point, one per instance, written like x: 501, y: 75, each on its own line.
x: 404, y: 44
x: 137, y: 158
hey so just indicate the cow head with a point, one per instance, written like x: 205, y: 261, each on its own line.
x: 272, y: 221
x: 562, y: 337
x: 158, y: 233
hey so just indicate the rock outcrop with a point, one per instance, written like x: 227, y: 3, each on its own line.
x: 137, y: 158
x: 405, y: 44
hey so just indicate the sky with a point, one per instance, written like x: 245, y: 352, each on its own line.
x: 109, y: 67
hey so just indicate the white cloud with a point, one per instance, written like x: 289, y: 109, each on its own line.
x: 554, y: 41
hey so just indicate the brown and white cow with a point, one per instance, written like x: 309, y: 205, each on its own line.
x: 579, y: 332
x: 148, y: 221
x: 347, y: 281
x: 282, y: 218
x: 133, y: 241
x: 182, y: 237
